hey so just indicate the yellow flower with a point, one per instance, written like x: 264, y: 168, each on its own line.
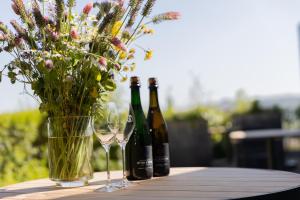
x: 142, y: 28
x: 132, y: 51
x: 151, y: 31
x: 123, y: 55
x: 148, y: 55
x: 94, y: 92
x: 116, y: 28
x: 131, y: 56
x: 124, y: 78
x: 98, y: 77
x: 125, y: 69
x: 132, y: 67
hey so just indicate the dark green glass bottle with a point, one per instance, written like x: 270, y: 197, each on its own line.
x: 159, y: 133
x: 138, y: 152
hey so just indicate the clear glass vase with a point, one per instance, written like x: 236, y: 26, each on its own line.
x: 70, y: 146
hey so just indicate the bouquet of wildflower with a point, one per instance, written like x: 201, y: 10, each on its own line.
x: 71, y: 60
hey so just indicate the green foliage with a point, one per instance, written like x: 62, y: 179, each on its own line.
x: 217, y: 119
x: 212, y: 114
x: 243, y: 103
x: 297, y: 112
x: 23, y: 148
x: 59, y: 8
x: 19, y: 159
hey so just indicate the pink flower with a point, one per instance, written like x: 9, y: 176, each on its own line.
x: 102, y: 61
x: 18, y: 41
x: 74, y: 34
x: 172, y: 15
x: 54, y: 36
x: 46, y: 19
x: 118, y: 43
x: 2, y: 37
x: 121, y: 2
x: 87, y: 8
x: 49, y: 64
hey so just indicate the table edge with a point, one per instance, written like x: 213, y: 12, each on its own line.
x: 280, y: 195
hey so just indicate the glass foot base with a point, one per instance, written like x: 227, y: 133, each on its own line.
x: 123, y: 184
x: 107, y: 188
x: 70, y: 184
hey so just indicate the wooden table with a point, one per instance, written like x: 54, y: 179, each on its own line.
x: 183, y: 183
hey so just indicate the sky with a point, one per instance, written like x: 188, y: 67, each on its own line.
x: 217, y: 48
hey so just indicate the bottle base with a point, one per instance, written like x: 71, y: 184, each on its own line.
x: 158, y: 172
x: 137, y: 179
x: 160, y: 175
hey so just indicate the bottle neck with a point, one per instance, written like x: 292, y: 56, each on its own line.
x: 154, y: 97
x: 135, y: 96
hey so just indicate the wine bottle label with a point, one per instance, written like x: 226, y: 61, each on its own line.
x: 161, y: 156
x: 147, y: 162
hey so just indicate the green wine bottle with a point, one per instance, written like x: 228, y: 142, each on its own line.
x: 159, y: 133
x: 138, y: 152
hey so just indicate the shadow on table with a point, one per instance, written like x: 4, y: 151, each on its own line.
x: 4, y: 193
x: 12, y: 193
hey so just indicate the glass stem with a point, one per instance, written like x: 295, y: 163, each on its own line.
x: 108, y: 181
x: 123, y: 162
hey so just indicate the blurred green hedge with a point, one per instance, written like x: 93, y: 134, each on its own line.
x: 23, y: 148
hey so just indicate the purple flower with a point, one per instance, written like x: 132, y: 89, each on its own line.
x: 118, y: 43
x: 15, y: 8
x: 111, y: 75
x: 118, y: 67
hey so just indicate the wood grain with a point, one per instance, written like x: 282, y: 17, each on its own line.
x: 183, y: 183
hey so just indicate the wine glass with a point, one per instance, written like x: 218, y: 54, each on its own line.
x: 123, y: 134
x: 105, y: 124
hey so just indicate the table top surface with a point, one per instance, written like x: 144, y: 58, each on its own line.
x: 260, y: 134
x: 183, y: 183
